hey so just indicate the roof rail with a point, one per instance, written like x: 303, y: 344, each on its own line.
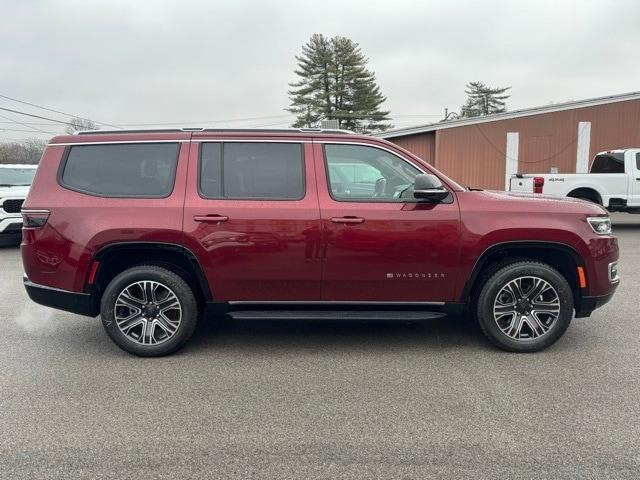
x: 201, y: 129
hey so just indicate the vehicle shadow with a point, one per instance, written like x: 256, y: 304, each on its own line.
x: 625, y: 226
x: 348, y: 335
x: 8, y: 242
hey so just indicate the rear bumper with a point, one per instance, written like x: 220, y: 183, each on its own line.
x: 589, y: 304
x: 73, y: 302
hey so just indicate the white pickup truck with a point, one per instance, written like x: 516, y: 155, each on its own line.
x: 613, y: 181
x: 15, y: 181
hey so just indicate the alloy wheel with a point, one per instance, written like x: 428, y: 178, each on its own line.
x: 148, y: 312
x: 526, y: 308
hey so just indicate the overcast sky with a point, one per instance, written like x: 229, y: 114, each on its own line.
x: 215, y: 62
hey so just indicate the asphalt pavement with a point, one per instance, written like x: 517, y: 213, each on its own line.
x: 297, y: 400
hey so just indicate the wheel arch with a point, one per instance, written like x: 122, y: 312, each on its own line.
x: 117, y: 257
x: 560, y: 256
x: 586, y: 192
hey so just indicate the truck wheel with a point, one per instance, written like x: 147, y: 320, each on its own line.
x: 149, y: 311
x: 525, y: 306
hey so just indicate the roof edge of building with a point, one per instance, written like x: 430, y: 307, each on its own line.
x: 557, y: 107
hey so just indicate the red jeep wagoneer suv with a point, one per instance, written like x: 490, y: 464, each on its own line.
x: 153, y: 229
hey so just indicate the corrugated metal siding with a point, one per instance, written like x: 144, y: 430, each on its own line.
x: 475, y: 154
x: 423, y: 145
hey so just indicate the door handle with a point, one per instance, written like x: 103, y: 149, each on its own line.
x: 347, y: 220
x: 210, y: 218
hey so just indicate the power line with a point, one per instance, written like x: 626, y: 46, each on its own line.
x: 550, y: 157
x: 246, y: 119
x: 27, y: 131
x: 56, y: 111
x: 35, y: 116
x: 23, y: 124
x: 48, y: 124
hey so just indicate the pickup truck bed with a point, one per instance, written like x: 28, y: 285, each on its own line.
x: 613, y: 182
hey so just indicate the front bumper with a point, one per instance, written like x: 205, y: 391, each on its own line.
x: 11, y: 224
x: 73, y: 302
x: 589, y: 304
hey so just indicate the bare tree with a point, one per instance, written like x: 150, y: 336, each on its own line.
x: 27, y: 152
x: 77, y: 124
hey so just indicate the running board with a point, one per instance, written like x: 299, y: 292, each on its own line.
x: 333, y: 315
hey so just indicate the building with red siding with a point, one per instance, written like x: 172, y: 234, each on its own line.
x: 485, y: 151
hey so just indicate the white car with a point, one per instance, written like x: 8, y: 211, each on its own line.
x: 15, y: 181
x: 613, y: 181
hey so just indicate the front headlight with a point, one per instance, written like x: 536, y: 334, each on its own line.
x: 600, y: 225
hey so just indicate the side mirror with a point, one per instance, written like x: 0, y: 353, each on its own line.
x: 429, y: 188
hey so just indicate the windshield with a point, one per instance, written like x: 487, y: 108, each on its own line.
x: 14, y: 176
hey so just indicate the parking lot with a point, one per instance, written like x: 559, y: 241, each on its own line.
x: 321, y: 399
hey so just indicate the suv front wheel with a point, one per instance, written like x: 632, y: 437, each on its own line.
x: 525, y: 306
x: 149, y: 311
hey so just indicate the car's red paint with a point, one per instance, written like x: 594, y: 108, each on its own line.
x: 293, y: 250
x: 267, y: 250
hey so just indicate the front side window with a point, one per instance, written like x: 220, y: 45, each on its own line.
x: 144, y: 170
x: 362, y: 173
x: 251, y: 170
x: 608, y: 163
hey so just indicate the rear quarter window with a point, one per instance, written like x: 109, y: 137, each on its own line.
x: 608, y: 163
x: 145, y: 170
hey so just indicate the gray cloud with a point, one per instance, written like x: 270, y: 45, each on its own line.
x: 160, y: 61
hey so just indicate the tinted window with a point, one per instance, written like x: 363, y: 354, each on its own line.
x: 367, y: 173
x: 122, y: 170
x: 638, y: 161
x: 252, y: 170
x: 608, y: 163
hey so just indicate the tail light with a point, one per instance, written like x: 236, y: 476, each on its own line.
x: 34, y: 218
x: 538, y: 184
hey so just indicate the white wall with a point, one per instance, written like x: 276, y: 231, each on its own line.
x: 511, y: 157
x: 584, y: 143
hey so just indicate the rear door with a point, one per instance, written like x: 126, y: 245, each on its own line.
x: 380, y: 244
x: 634, y: 179
x: 251, y: 213
x: 608, y: 173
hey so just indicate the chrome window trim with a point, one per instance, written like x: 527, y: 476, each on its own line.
x: 115, y: 142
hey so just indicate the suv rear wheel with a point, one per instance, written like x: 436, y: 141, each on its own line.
x: 525, y: 306
x: 149, y: 311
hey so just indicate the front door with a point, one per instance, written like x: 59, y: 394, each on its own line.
x: 251, y: 213
x: 381, y: 245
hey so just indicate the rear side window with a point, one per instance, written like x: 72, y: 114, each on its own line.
x: 144, y: 170
x: 237, y: 170
x: 608, y: 163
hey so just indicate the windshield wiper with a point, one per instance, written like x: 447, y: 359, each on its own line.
x: 474, y: 189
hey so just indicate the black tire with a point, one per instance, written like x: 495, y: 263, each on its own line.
x: 495, y: 285
x: 169, y: 282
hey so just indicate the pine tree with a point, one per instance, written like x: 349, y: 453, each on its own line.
x: 483, y: 100
x: 334, y: 83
